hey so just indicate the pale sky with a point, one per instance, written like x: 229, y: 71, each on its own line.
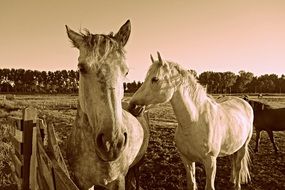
x: 204, y: 35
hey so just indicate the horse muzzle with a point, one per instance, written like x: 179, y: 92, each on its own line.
x: 109, y: 148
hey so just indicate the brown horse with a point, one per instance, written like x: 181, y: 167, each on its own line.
x: 268, y: 119
x: 106, y: 141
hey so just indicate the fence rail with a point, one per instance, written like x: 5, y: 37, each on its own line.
x: 33, y: 168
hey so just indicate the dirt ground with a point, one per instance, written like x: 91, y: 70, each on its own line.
x: 162, y: 167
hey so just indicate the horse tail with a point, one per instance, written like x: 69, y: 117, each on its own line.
x: 245, y: 162
x: 244, y: 175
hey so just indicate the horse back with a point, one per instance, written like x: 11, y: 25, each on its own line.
x: 235, y: 105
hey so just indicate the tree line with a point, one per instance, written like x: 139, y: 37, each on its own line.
x: 66, y: 81
x: 243, y: 82
x: 33, y: 81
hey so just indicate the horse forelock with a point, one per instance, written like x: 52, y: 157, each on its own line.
x: 102, y: 45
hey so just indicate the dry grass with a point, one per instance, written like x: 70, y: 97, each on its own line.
x: 162, y: 167
x: 5, y: 146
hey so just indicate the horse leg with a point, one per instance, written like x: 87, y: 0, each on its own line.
x: 119, y: 184
x: 270, y: 134
x: 132, y: 179
x: 241, y: 166
x: 210, y: 168
x: 190, y: 173
x: 137, y: 178
x: 233, y: 174
x: 237, y: 169
x: 257, y: 140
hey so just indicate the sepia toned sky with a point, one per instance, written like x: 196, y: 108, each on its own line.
x: 204, y: 35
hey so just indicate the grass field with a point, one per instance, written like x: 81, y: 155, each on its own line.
x: 162, y: 167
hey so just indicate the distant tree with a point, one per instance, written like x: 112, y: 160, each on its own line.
x: 72, y: 81
x: 268, y: 82
x: 42, y: 81
x: 205, y: 79
x: 6, y: 86
x: 19, y: 80
x: 253, y: 86
x: 281, y: 84
x: 139, y: 84
x: 132, y: 87
x: 216, y: 82
x: 243, y: 79
x: 213, y: 81
x: 228, y: 79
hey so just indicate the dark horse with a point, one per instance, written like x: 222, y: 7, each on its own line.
x: 268, y: 119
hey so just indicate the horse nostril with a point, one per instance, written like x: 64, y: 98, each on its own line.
x: 125, y: 135
x: 109, y: 147
x: 100, y: 140
x: 122, y: 142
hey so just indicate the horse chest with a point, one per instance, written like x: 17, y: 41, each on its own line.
x: 88, y: 169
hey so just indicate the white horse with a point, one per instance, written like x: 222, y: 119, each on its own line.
x: 106, y: 140
x: 207, y: 129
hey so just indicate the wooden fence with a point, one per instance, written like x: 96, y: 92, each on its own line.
x: 33, y: 168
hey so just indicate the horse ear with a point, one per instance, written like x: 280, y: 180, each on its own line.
x: 76, y: 38
x: 152, y: 60
x: 123, y: 34
x: 159, y: 57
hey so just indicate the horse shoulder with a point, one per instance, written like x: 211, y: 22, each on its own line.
x: 136, y: 135
x: 131, y: 122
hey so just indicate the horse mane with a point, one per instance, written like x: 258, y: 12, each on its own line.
x: 101, y: 44
x: 186, y: 77
x: 198, y: 92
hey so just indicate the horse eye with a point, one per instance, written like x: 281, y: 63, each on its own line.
x: 127, y: 73
x: 82, y: 68
x: 154, y: 79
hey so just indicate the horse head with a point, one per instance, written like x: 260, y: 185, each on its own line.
x: 160, y: 83
x: 102, y: 69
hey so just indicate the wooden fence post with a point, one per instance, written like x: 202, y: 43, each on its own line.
x: 55, y: 150
x: 33, y: 168
x: 16, y: 138
x: 29, y: 120
x: 34, y: 163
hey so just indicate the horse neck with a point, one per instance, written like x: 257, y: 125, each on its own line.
x: 189, y: 98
